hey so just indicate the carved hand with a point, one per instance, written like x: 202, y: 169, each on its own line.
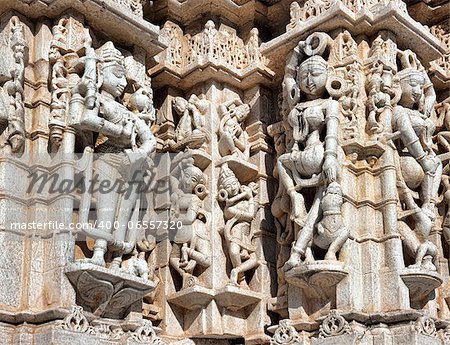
x: 331, y: 168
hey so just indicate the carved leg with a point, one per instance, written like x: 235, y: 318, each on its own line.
x: 294, y: 259
x: 202, y: 253
x: 175, y: 259
x: 98, y: 258
x: 337, y: 244
x: 117, y: 260
x: 309, y: 257
x: 306, y: 233
x: 297, y: 202
x: 226, y: 145
x: 235, y: 254
x: 237, y: 273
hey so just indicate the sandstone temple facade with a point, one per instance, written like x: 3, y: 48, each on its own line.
x: 282, y: 171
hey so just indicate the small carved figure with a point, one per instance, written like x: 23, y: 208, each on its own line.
x: 138, y: 264
x: 239, y: 210
x: 412, y: 123
x: 331, y: 230
x: 232, y: 137
x: 190, y: 131
x: 192, y: 244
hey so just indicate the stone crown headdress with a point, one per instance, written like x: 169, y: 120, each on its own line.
x: 226, y: 175
x: 316, y: 60
x: 411, y: 66
x: 111, y: 55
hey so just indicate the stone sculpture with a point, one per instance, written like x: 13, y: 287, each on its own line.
x: 318, y: 164
x: 124, y: 144
x: 239, y: 210
x: 190, y: 132
x: 411, y: 122
x: 293, y: 158
x: 12, y: 91
x: 192, y: 245
x: 232, y: 137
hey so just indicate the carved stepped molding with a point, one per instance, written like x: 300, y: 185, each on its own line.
x: 389, y: 14
x: 188, y: 60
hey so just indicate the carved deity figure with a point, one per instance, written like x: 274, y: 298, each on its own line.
x: 412, y: 123
x: 192, y: 244
x: 331, y: 230
x: 313, y: 161
x: 443, y: 138
x: 12, y: 109
x: 190, y: 131
x: 232, y: 137
x: 124, y: 143
x: 418, y: 165
x: 239, y: 210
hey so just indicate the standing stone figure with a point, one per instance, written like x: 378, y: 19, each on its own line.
x: 124, y: 143
x: 412, y: 123
x: 418, y: 165
x: 313, y: 161
x: 192, y: 244
x: 239, y: 210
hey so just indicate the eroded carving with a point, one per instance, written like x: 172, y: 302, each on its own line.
x: 233, y: 139
x: 239, y: 209
x: 12, y: 71
x: 311, y: 117
x: 192, y: 243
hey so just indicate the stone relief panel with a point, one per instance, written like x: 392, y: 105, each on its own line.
x: 220, y: 47
x: 351, y: 112
x: 314, y: 8
x: 12, y: 72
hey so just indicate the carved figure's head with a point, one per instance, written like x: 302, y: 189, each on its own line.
x: 228, y: 181
x: 241, y: 112
x: 180, y: 105
x: 16, y: 137
x: 412, y: 83
x: 312, y: 76
x: 113, y: 70
x: 191, y: 177
x: 412, y: 78
x: 334, y: 188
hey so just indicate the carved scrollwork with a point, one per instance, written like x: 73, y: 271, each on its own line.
x: 333, y: 325
x: 426, y: 325
x: 146, y: 334
x: 76, y: 321
x: 285, y: 334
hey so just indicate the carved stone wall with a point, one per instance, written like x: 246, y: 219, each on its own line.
x: 224, y: 172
